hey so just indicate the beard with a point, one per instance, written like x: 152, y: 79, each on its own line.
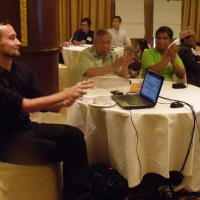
x: 17, y: 54
x: 12, y: 54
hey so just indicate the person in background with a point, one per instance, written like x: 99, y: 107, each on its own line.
x: 119, y: 36
x: 99, y: 60
x: 197, y: 47
x: 25, y: 142
x: 163, y: 59
x: 65, y: 44
x: 192, y: 65
x: 84, y: 35
x: 141, y: 45
x: 134, y: 68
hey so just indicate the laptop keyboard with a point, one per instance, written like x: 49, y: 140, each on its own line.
x: 137, y: 100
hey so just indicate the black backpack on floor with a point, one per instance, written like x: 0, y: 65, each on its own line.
x: 108, y: 184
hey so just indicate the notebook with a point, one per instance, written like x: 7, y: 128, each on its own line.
x: 148, y: 95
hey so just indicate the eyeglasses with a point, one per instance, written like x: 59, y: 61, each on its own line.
x: 83, y: 25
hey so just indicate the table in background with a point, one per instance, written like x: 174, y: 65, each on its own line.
x: 140, y: 141
x: 71, y: 52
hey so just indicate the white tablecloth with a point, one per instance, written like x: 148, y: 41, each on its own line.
x: 148, y: 140
x: 72, y: 52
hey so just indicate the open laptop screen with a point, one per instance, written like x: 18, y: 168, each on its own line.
x: 151, y: 86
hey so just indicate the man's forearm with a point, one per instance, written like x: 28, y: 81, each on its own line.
x: 124, y: 73
x: 160, y: 66
x: 43, y: 103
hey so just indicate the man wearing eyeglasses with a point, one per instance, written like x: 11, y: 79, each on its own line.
x: 192, y: 65
x: 84, y: 35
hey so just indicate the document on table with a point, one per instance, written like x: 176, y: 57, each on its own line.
x: 112, y: 81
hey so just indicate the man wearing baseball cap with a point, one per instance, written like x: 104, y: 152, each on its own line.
x: 192, y: 66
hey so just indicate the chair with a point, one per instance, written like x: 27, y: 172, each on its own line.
x: 129, y: 48
x: 43, y: 182
x: 63, y: 76
x: 18, y: 182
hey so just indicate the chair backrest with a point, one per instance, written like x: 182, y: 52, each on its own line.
x: 129, y: 48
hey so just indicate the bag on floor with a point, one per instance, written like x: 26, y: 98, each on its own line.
x: 108, y: 184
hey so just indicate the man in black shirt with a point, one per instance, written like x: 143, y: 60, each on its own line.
x: 84, y: 35
x: 29, y: 143
x: 192, y: 67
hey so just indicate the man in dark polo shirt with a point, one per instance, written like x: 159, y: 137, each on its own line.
x: 25, y: 142
x: 84, y: 35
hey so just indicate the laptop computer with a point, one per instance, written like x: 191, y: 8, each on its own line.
x: 148, y: 95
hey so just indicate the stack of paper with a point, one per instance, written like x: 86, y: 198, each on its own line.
x: 106, y: 82
x: 93, y: 93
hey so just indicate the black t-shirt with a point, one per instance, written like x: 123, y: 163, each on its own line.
x: 18, y: 83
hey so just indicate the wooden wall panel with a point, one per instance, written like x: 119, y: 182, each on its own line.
x: 42, y: 48
x: 10, y: 9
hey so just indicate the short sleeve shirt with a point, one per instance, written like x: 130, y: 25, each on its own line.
x: 88, y: 58
x: 80, y: 35
x: 151, y: 57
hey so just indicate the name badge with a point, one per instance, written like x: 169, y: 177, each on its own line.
x: 99, y: 63
x: 89, y: 39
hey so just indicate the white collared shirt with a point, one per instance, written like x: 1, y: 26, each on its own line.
x: 119, y: 37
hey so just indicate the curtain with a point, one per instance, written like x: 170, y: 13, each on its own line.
x: 191, y: 15
x: 72, y: 11
x: 148, y: 21
x: 101, y: 12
